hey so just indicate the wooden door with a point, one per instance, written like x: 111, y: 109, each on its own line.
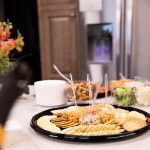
x: 59, y: 42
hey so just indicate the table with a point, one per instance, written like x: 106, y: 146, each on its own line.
x: 25, y: 138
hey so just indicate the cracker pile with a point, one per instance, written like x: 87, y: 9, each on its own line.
x: 100, y: 129
x: 93, y: 120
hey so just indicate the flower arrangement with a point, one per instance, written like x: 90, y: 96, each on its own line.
x: 8, y: 45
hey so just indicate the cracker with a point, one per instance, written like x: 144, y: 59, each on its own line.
x: 58, y: 119
x: 44, y: 123
x: 120, y: 116
x: 112, y: 121
x: 133, y: 124
x: 135, y: 114
x: 105, y: 132
x: 106, y: 116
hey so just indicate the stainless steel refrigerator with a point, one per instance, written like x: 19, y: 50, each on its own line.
x: 126, y: 23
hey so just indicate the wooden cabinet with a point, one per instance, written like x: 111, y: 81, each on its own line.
x: 59, y: 37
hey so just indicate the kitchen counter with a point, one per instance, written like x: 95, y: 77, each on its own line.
x: 20, y: 136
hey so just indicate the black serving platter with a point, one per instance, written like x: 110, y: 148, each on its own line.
x: 102, y: 139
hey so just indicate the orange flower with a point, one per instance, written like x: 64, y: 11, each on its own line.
x: 5, y: 48
x: 8, y: 44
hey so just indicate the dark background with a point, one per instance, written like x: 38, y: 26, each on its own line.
x: 23, y: 15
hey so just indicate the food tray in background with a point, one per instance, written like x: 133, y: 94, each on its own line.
x: 103, y: 138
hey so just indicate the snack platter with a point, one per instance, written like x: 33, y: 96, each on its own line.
x: 131, y: 122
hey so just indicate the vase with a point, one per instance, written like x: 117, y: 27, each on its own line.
x: 5, y: 67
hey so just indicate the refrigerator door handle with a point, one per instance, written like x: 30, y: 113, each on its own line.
x: 122, y: 37
x: 128, y: 37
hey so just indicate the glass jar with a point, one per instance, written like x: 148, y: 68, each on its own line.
x: 83, y: 91
x: 124, y: 95
x: 143, y: 95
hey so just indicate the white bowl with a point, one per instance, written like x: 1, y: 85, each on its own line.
x: 50, y: 92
